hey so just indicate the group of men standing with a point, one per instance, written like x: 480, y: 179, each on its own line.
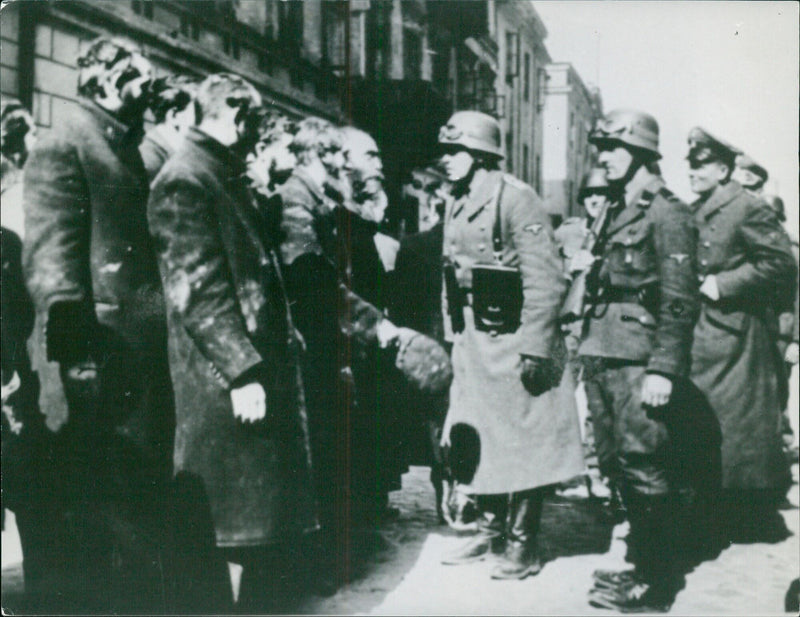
x: 212, y: 342
x: 205, y: 363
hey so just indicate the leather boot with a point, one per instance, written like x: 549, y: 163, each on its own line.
x: 490, y: 536
x: 520, y: 559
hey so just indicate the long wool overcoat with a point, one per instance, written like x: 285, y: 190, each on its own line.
x: 735, y: 358
x: 87, y: 247
x: 228, y: 318
x: 525, y: 441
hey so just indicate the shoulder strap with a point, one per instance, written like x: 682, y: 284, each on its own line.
x: 497, y: 231
x: 646, y: 199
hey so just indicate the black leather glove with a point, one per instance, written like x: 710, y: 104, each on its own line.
x: 537, y: 374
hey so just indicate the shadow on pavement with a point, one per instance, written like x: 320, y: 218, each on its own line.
x: 574, y: 526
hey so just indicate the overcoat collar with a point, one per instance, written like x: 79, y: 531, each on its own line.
x: 225, y: 163
x: 479, y: 195
x: 312, y: 187
x: 117, y: 133
x: 637, y: 204
x: 158, y: 139
x: 721, y: 197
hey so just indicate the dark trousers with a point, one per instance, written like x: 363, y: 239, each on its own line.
x: 511, y: 517
x: 666, y: 462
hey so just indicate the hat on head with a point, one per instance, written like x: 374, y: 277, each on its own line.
x: 472, y: 130
x: 594, y: 180
x: 628, y: 127
x: 705, y: 148
x: 743, y: 161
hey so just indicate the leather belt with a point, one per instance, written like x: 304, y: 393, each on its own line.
x: 621, y: 294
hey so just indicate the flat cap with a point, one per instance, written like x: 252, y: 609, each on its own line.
x: 704, y: 148
x: 743, y: 161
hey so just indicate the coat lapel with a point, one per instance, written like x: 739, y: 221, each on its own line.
x: 721, y: 197
x: 478, y: 199
x: 635, y: 210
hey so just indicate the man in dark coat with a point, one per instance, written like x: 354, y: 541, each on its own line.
x: 334, y: 322
x: 746, y: 266
x: 171, y: 103
x: 99, y: 342
x: 241, y: 444
x: 415, y: 301
x: 636, y: 350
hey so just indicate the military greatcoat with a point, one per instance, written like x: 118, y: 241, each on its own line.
x: 229, y: 323
x: 734, y: 359
x: 525, y: 441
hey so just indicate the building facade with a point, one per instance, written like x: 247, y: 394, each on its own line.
x: 396, y: 68
x: 570, y: 112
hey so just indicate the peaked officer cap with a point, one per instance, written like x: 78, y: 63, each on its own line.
x: 705, y: 148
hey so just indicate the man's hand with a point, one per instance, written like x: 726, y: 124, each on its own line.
x: 582, y: 260
x: 656, y: 390
x: 536, y: 375
x: 792, y: 353
x: 709, y: 288
x: 249, y: 402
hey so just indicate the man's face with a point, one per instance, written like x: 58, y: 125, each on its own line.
x: 365, y: 175
x: 745, y: 177
x: 363, y: 157
x: 594, y: 201
x: 422, y: 194
x: 272, y: 163
x: 129, y: 78
x: 615, y: 159
x: 705, y: 177
x: 333, y: 160
x: 183, y: 119
x: 457, y: 164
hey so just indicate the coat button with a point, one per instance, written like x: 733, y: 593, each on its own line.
x: 703, y: 262
x: 627, y: 241
x: 706, y: 244
x: 701, y: 277
x: 481, y: 247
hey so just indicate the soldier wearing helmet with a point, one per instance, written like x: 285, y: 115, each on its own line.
x: 635, y: 351
x: 509, y: 386
x: 746, y: 270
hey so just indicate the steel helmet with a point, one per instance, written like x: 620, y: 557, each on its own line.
x: 629, y: 127
x: 473, y: 130
x: 595, y: 178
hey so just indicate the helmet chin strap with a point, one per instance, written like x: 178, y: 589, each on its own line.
x: 619, y: 185
x: 461, y: 187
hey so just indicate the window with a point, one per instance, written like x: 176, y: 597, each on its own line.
x: 526, y: 176
x: 143, y: 7
x: 510, y: 151
x: 538, y: 174
x: 526, y: 79
x: 190, y: 26
x: 512, y: 54
x: 412, y: 54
